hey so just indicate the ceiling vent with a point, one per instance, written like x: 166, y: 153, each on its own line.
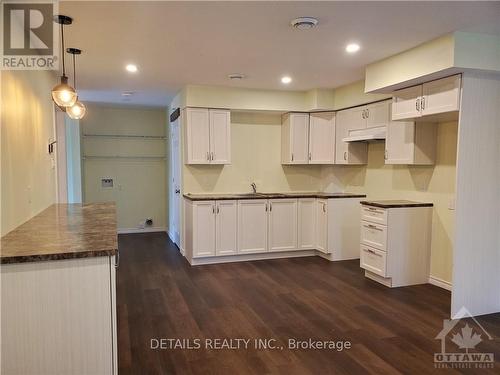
x: 304, y: 23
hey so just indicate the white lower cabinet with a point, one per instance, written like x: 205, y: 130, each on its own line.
x: 395, y: 244
x: 306, y: 208
x: 252, y: 225
x: 282, y: 224
x: 226, y: 224
x: 322, y: 225
x: 203, y: 228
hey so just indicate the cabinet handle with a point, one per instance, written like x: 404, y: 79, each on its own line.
x: 266, y: 207
x: 345, y: 155
x: 324, y: 207
x: 117, y: 258
x: 270, y: 207
x: 372, y: 208
x: 385, y: 154
x: 422, y: 103
x: 363, y: 114
x: 367, y: 113
x: 208, y: 156
x: 218, y: 209
x: 417, y: 104
x: 292, y: 156
x: 309, y: 156
x: 372, y: 227
x: 213, y: 209
x: 370, y: 251
x: 212, y: 156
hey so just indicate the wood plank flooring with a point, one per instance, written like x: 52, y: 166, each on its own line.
x: 159, y: 295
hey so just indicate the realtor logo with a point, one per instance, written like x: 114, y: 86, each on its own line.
x: 29, y: 36
x: 464, y: 333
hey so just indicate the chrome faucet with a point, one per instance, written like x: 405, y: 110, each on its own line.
x: 254, y: 187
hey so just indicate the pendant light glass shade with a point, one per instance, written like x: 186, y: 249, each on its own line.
x: 76, y: 111
x: 63, y: 94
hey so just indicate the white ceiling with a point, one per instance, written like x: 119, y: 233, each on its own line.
x: 179, y: 43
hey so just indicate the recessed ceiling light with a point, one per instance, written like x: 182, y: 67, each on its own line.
x: 131, y: 68
x: 352, y: 47
x: 127, y: 93
x: 304, y: 23
x: 286, y: 80
x: 236, y: 76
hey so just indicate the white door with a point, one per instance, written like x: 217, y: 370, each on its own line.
x: 252, y: 225
x: 220, y: 136
x: 197, y: 136
x: 175, y: 183
x: 399, y: 142
x: 226, y: 224
x: 204, y: 228
x: 61, y: 157
x: 441, y: 96
x: 299, y: 137
x: 406, y: 103
x: 306, y: 223
x: 322, y: 225
x: 378, y: 114
x: 282, y: 224
x: 322, y: 138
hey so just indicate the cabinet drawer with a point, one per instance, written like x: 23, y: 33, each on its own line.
x: 373, y: 260
x: 374, y: 214
x: 374, y: 235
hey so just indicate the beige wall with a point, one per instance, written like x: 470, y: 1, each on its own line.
x: 28, y: 178
x: 140, y: 189
x: 434, y: 184
x: 256, y: 157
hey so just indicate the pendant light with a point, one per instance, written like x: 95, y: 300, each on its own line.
x: 77, y: 110
x: 63, y: 94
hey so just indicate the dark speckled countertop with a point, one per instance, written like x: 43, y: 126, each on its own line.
x: 396, y: 204
x: 234, y: 196
x: 63, y: 231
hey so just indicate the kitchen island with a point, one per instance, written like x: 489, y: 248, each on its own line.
x: 58, y: 292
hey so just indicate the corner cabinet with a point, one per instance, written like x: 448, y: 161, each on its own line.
x: 428, y: 101
x: 207, y: 136
x: 308, y: 138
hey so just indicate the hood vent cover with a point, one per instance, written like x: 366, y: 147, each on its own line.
x: 365, y: 135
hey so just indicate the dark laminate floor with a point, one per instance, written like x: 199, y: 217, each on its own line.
x: 161, y: 296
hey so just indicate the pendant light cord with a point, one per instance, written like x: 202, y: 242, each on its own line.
x: 74, y: 71
x: 62, y: 49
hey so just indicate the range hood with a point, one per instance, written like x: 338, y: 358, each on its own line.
x: 365, y: 135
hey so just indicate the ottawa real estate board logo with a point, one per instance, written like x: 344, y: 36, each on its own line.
x: 29, y: 36
x: 460, y: 343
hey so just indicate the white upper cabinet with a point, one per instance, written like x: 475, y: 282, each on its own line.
x: 282, y: 224
x: 226, y: 223
x: 352, y: 119
x: 322, y: 138
x: 252, y: 225
x: 295, y: 138
x: 431, y: 98
x: 410, y: 143
x: 441, y: 96
x: 345, y: 122
x: 197, y: 130
x: 378, y: 114
x: 207, y: 136
x: 220, y: 136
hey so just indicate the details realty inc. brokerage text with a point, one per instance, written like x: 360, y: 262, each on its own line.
x: 246, y: 343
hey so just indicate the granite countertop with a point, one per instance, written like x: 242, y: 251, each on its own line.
x: 234, y: 196
x: 63, y: 231
x: 396, y: 204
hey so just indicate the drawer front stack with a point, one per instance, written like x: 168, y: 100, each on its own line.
x: 373, y: 256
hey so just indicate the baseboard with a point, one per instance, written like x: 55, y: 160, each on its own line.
x: 170, y: 235
x: 139, y: 230
x: 250, y: 257
x: 440, y: 282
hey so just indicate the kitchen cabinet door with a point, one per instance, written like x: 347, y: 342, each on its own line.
x: 348, y: 153
x: 252, y: 225
x: 220, y: 136
x: 197, y: 136
x: 406, y: 103
x: 295, y: 138
x: 306, y: 223
x: 378, y: 114
x: 440, y: 96
x: 322, y: 225
x: 226, y: 227
x: 322, y: 138
x: 400, y: 142
x: 282, y: 224
x: 203, y: 228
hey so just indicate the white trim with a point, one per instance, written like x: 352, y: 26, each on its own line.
x: 169, y: 235
x: 249, y: 257
x: 139, y: 230
x: 440, y: 282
